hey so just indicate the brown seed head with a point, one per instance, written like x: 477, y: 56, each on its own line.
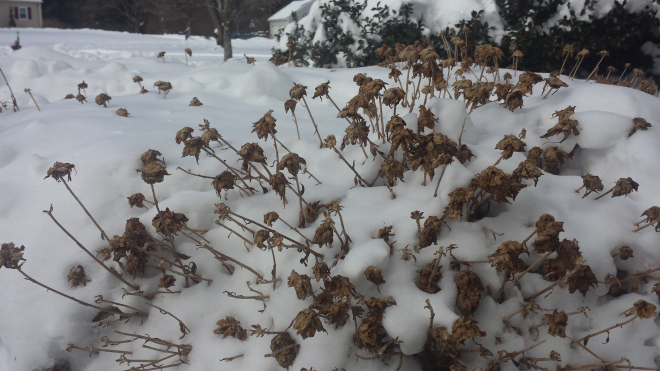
x: 102, y: 99
x: 122, y: 112
x: 625, y: 252
x: 285, y: 349
x: 136, y: 199
x: 297, y: 92
x: 292, y: 162
x: 224, y: 181
x: 174, y: 222
x: 59, y: 170
x: 624, y: 187
x: 322, y: 90
x: 188, y: 51
x: 153, y: 172
x: 11, y: 256
x: 307, y: 323
x: 231, y: 327
x: 265, y: 126
x: 469, y: 288
x: 643, y: 309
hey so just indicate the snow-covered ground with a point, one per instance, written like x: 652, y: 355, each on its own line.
x: 36, y: 326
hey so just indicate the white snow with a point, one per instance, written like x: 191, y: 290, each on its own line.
x: 37, y: 325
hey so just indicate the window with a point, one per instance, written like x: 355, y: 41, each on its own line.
x: 22, y: 12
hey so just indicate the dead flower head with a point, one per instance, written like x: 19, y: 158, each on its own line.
x: 513, y: 100
x: 639, y: 124
x: 625, y: 252
x: 321, y: 271
x: 193, y: 147
x: 251, y: 152
x: 557, y: 322
x: 582, y: 280
x: 166, y: 281
x: 59, y: 170
x: 392, y: 97
x: 184, y: 134
x: 510, y: 144
x: 469, y: 288
x: 312, y: 211
x: 298, y: 91
x: 285, y: 349
x: 10, y: 255
x: 464, y: 328
x: 265, y: 126
x: 231, y: 327
x: 301, y: 283
x: 322, y: 90
x: 102, y: 99
x: 646, y: 87
x: 224, y: 181
x: 391, y: 169
x: 624, y: 187
x: 324, y: 233
x: 261, y: 238
x: 643, y: 309
x: 136, y: 199
x: 290, y: 105
x: 173, y: 222
x: 195, y: 102
x: 188, y: 51
x: 122, y: 112
x: 374, y: 275
x: 426, y: 119
x: 150, y: 156
x: 506, y: 258
x: 307, y: 323
x: 430, y: 231
x: 592, y: 183
x: 279, y: 182
x: 292, y: 162
x: 270, y: 218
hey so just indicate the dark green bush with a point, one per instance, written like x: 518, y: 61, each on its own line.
x: 619, y: 32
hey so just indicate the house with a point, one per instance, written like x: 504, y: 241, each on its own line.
x: 283, y: 17
x: 24, y: 13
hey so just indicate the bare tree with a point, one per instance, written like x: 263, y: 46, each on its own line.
x: 134, y: 10
x: 222, y: 14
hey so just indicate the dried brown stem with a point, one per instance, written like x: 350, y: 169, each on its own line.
x: 113, y: 272
x: 561, y: 280
x: 163, y: 311
x: 140, y: 314
x: 221, y: 256
x: 168, y: 235
x: 586, y: 338
x: 10, y: 91
x: 313, y: 122
x: 92, y: 350
x: 229, y: 359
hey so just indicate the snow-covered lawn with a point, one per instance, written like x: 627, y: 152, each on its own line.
x: 36, y: 326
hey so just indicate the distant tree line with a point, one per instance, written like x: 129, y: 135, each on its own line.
x: 211, y: 18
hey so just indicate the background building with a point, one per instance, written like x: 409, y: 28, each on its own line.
x: 24, y: 13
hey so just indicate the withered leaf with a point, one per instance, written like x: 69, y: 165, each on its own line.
x: 307, y: 323
x: 301, y: 283
x: 230, y: 327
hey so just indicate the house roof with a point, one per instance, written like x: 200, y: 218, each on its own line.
x: 285, y: 12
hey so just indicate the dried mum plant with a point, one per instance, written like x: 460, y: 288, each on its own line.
x: 163, y: 86
x: 102, y: 99
x: 623, y: 187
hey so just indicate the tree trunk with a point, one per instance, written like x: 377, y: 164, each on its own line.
x: 221, y: 12
x: 226, y: 41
